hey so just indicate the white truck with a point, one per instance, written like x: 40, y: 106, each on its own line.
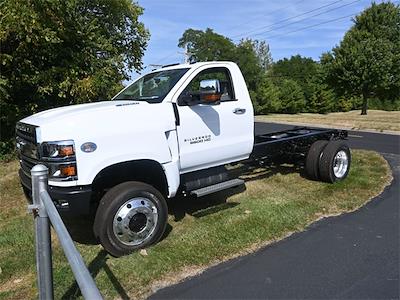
x: 171, y: 131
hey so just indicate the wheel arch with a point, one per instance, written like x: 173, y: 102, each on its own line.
x: 143, y: 170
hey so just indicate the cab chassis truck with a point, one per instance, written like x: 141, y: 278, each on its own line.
x: 172, y: 131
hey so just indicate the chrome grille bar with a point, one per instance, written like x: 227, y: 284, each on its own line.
x: 26, y: 132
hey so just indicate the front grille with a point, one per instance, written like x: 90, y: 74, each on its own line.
x: 27, y: 146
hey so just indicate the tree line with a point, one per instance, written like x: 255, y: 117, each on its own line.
x: 362, y: 71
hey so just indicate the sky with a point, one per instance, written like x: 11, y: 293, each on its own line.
x: 282, y: 24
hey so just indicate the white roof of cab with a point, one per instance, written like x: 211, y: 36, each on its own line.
x: 193, y: 66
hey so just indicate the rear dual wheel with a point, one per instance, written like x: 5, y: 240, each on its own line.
x: 313, y: 159
x: 328, y: 161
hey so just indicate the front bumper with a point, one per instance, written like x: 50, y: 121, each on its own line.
x: 74, y: 200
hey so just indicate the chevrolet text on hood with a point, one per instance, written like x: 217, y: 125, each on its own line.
x: 172, y: 131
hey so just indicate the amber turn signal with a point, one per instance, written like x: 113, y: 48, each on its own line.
x: 212, y: 97
x: 66, y: 151
x: 68, y: 170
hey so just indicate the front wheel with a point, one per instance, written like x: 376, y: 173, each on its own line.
x: 130, y: 216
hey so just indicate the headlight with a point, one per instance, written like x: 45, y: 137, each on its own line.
x: 54, y: 150
x: 60, y: 160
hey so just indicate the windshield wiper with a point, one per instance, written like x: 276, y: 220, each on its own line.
x: 149, y: 97
x: 143, y: 98
x: 127, y: 99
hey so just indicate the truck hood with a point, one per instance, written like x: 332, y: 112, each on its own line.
x: 100, y: 118
x: 55, y: 114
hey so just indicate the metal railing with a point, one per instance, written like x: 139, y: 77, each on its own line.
x: 45, y: 213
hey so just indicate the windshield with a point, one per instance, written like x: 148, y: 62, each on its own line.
x: 152, y: 87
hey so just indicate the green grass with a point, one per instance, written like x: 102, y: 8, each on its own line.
x: 201, y: 232
x: 377, y: 120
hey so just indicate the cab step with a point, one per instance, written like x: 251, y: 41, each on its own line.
x: 217, y: 187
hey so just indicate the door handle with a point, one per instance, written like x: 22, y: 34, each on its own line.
x: 239, y: 111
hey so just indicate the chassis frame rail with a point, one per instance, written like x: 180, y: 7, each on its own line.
x: 293, y: 141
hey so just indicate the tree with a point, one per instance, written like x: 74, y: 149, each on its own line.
x: 367, y: 61
x: 55, y: 53
x: 248, y: 63
x: 207, y: 45
x: 321, y: 98
x: 263, y: 53
x: 267, y: 98
x: 298, y: 68
x: 291, y: 97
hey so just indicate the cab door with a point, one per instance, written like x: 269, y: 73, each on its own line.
x: 213, y: 134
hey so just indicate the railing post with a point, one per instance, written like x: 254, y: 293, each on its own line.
x: 44, y: 266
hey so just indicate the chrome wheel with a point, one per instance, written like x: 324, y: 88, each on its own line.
x: 135, y: 221
x: 340, y: 164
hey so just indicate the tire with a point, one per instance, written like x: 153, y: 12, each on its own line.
x: 335, y: 162
x: 130, y: 216
x: 313, y: 158
x: 28, y: 194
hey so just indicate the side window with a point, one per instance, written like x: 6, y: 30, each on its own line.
x: 220, y: 74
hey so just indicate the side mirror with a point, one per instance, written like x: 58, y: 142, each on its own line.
x: 210, y: 91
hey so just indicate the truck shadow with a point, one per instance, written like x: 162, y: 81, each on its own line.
x: 180, y: 206
x: 249, y: 172
x: 81, y: 229
x: 213, y: 203
x: 96, y: 265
